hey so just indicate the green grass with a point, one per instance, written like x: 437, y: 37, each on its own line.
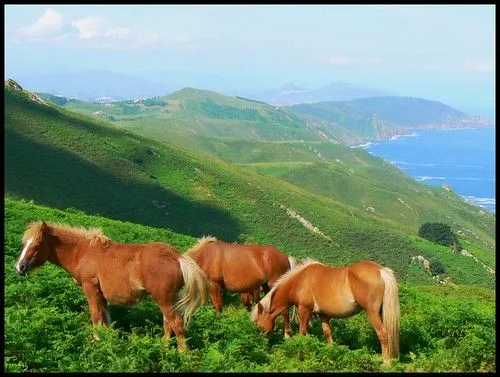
x: 48, y: 328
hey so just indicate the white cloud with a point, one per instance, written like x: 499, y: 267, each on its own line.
x: 470, y: 66
x: 344, y: 61
x: 49, y: 27
x: 479, y: 65
x: 94, y: 32
x: 95, y: 27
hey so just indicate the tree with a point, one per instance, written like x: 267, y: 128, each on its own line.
x: 439, y: 233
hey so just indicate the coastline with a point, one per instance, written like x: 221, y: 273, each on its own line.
x: 438, y: 167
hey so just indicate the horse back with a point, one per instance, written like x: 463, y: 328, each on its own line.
x: 238, y: 268
x: 125, y: 271
x: 323, y: 289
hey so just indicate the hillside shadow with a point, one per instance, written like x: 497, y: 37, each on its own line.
x: 59, y: 179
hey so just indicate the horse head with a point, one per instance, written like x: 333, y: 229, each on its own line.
x: 263, y: 319
x: 35, y: 250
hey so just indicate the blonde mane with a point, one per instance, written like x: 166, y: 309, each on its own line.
x: 95, y: 236
x: 201, y: 242
x: 266, y: 300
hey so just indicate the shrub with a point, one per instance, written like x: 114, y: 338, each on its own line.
x: 439, y: 233
x: 436, y: 267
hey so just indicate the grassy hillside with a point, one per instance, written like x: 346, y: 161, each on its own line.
x: 363, y: 119
x: 205, y: 113
x: 48, y: 327
x: 62, y: 159
x: 326, y: 168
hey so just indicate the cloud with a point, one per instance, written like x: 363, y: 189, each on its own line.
x: 49, y: 27
x: 344, y: 61
x: 479, y: 65
x: 95, y: 27
x: 468, y: 66
x: 94, y: 32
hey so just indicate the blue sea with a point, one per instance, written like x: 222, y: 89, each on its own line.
x: 462, y: 158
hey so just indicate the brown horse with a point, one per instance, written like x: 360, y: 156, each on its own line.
x: 338, y: 292
x: 240, y: 268
x: 119, y: 273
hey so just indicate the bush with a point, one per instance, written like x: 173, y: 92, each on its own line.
x: 436, y: 267
x: 439, y: 233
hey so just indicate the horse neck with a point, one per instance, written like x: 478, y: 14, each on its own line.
x: 279, y: 302
x: 63, y: 249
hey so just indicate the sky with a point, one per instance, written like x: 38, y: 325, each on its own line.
x: 444, y: 53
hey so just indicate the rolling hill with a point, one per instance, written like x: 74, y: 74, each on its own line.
x: 291, y: 94
x: 378, y: 118
x: 62, y: 159
x: 202, y: 113
x: 329, y: 169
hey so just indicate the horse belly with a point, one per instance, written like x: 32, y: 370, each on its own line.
x: 123, y: 290
x: 340, y: 306
x: 242, y: 278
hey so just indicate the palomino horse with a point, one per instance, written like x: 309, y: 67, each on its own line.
x: 240, y: 268
x: 338, y: 292
x: 119, y: 273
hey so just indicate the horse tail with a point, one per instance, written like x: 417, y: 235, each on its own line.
x: 390, y: 311
x: 196, y: 288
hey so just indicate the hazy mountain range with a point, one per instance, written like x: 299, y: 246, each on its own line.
x: 89, y: 85
x: 291, y: 94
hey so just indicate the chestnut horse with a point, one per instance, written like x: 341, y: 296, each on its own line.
x: 338, y: 292
x: 243, y: 269
x: 118, y: 273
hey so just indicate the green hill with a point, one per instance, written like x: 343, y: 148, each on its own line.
x: 364, y: 119
x: 329, y: 169
x: 204, y: 113
x: 62, y: 159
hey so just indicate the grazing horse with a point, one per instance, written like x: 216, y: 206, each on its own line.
x: 118, y: 273
x: 239, y: 268
x: 338, y: 292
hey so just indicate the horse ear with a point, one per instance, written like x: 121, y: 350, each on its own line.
x: 260, y: 309
x: 44, y: 226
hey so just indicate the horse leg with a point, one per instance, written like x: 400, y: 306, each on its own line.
x: 304, y: 316
x: 246, y: 299
x: 167, y: 329
x: 256, y: 295
x: 172, y: 321
x: 325, y: 324
x: 376, y: 321
x: 216, y: 296
x: 287, y: 325
x: 98, y: 305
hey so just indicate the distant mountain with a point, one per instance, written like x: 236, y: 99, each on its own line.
x: 91, y: 85
x: 291, y: 94
x: 365, y: 119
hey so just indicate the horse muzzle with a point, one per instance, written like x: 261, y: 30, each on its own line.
x: 23, y: 268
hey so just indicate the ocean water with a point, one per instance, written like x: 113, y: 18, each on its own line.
x: 462, y: 158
